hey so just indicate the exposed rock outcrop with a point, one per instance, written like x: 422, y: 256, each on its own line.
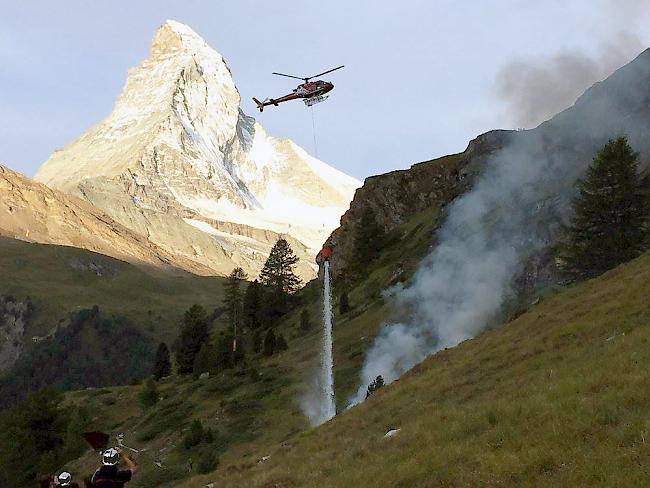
x: 33, y: 212
x: 396, y: 196
x: 13, y: 319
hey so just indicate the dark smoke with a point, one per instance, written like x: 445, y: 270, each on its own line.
x: 534, y: 91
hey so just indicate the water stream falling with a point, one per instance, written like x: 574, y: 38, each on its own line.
x: 328, y: 404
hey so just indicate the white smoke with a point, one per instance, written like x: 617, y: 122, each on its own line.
x: 461, y: 286
x: 513, y: 212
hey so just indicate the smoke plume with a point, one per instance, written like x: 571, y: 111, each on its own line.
x: 513, y: 212
x: 535, y: 90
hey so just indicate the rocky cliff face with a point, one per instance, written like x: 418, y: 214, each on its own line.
x: 33, y: 212
x: 396, y: 196
x: 13, y: 319
x: 179, y: 162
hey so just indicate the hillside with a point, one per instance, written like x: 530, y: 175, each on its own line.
x: 32, y: 212
x: 557, y: 397
x: 464, y: 413
x: 60, y: 280
x: 256, y: 404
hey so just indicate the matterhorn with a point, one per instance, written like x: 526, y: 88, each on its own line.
x: 180, y: 163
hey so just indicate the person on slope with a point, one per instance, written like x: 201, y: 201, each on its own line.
x: 108, y: 475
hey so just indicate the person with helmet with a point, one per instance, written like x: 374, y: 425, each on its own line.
x: 108, y: 475
x: 62, y: 479
x: 65, y: 479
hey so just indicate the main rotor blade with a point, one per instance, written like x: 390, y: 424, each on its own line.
x: 290, y: 76
x: 328, y: 71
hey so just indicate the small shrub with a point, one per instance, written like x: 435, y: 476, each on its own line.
x: 149, y: 395
x: 194, y: 436
x: 375, y: 385
x: 207, y: 461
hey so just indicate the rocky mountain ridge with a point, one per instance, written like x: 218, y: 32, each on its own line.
x: 32, y: 212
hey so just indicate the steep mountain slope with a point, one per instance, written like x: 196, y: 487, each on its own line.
x: 178, y: 161
x: 33, y: 212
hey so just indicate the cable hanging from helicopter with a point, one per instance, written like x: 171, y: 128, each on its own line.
x: 312, y: 92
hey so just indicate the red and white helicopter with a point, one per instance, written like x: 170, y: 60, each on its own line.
x: 311, y: 91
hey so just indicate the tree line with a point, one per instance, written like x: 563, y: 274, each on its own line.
x: 251, y: 309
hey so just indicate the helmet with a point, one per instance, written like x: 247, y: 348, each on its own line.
x: 110, y: 457
x: 64, y: 478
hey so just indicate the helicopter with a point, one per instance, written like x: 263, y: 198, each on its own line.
x: 312, y: 92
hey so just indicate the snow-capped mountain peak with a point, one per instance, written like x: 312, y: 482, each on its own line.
x: 178, y: 145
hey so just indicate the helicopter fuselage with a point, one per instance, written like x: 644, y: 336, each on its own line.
x: 310, y: 89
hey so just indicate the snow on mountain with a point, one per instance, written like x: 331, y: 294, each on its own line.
x: 178, y: 161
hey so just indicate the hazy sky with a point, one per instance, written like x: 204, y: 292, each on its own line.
x: 422, y: 78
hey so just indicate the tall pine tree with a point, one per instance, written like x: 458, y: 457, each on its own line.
x: 279, y: 278
x: 194, y: 333
x: 609, y: 214
x: 269, y: 343
x: 279, y: 270
x: 234, y: 302
x: 344, y: 303
x: 252, y: 312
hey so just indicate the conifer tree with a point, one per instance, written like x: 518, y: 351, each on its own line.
x: 269, y: 343
x: 225, y: 354
x: 279, y: 270
x: 193, y: 334
x: 369, y: 238
x: 281, y: 343
x: 206, y: 360
x: 252, y: 313
x: 234, y: 302
x: 149, y: 395
x: 162, y: 364
x: 257, y: 341
x: 609, y: 214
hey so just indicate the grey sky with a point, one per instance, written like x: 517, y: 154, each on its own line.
x: 421, y: 77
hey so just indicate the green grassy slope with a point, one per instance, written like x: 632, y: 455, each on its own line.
x: 558, y: 397
x: 62, y: 279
